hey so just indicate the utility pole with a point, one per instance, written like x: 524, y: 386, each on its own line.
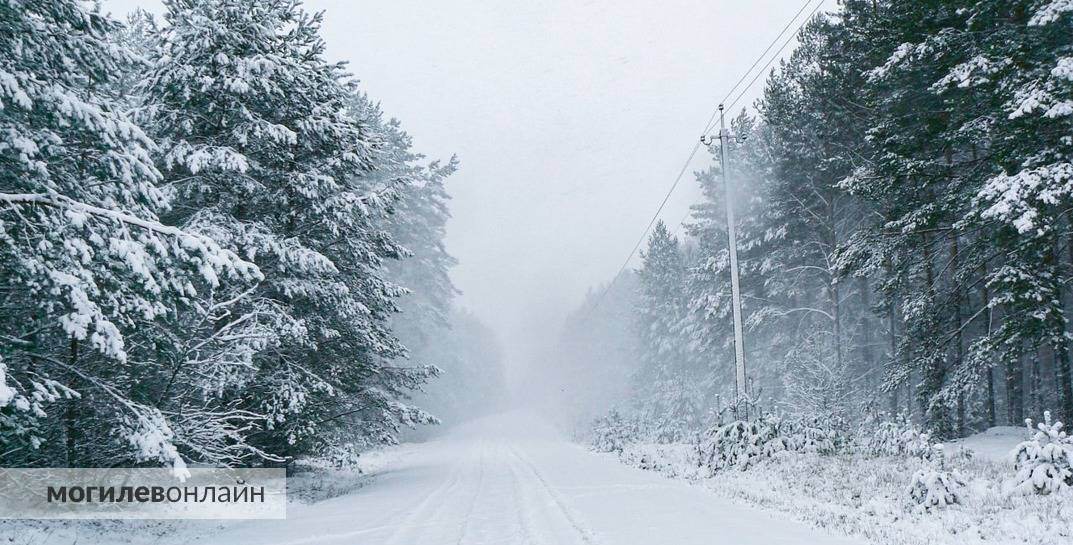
x: 741, y: 391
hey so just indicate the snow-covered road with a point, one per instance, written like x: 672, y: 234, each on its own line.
x: 513, y: 480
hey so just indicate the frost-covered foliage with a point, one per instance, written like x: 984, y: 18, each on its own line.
x: 1044, y: 463
x: 867, y: 496
x: 204, y: 279
x: 613, y: 432
x: 932, y: 487
x: 881, y: 436
x: 670, y: 459
x: 669, y: 396
x: 743, y: 444
x: 86, y: 260
x: 260, y: 139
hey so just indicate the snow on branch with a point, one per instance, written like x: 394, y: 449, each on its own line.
x: 219, y: 258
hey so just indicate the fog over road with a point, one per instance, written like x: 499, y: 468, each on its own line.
x: 512, y: 479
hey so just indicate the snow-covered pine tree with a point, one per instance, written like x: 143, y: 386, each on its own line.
x: 933, y: 487
x: 261, y: 145
x: 917, y: 182
x: 428, y: 325
x: 812, y: 141
x: 84, y: 259
x: 1023, y: 66
x: 743, y: 444
x: 1044, y: 463
x: 418, y: 223
x: 667, y: 382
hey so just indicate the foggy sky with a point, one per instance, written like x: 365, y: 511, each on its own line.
x: 571, y: 119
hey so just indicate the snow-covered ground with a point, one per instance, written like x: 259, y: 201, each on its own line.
x: 513, y: 480
x: 994, y: 444
x: 502, y: 481
x: 868, y: 497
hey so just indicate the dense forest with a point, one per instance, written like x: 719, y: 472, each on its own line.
x: 214, y: 247
x: 904, y: 231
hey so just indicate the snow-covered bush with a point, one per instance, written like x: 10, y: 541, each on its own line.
x: 678, y: 426
x: 742, y: 444
x: 932, y: 486
x: 613, y: 432
x: 822, y: 436
x: 897, y: 436
x: 1044, y: 463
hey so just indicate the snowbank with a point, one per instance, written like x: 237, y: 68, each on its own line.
x: 994, y: 444
x: 867, y: 497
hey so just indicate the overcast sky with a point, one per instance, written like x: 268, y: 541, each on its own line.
x: 570, y: 117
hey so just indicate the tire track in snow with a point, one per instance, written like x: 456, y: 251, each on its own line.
x: 525, y: 523
x: 586, y: 535
x: 428, y: 509
x: 476, y: 495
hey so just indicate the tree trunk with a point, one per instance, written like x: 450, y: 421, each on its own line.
x: 70, y: 413
x: 934, y: 371
x: 1037, y: 384
x: 867, y: 359
x: 989, y: 373
x: 1063, y: 380
x: 959, y: 349
x: 832, y: 291
x: 892, y: 333
x: 1015, y: 413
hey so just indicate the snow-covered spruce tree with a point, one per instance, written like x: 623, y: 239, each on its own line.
x: 84, y: 260
x: 932, y: 487
x: 667, y: 380
x: 742, y: 444
x: 613, y: 432
x: 428, y: 324
x: 261, y: 145
x: 1044, y: 463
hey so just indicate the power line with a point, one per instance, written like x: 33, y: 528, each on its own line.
x: 772, y: 59
x: 707, y: 127
x: 651, y: 222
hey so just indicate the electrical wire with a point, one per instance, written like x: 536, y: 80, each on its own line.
x: 707, y: 127
x: 772, y: 59
x: 785, y: 27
